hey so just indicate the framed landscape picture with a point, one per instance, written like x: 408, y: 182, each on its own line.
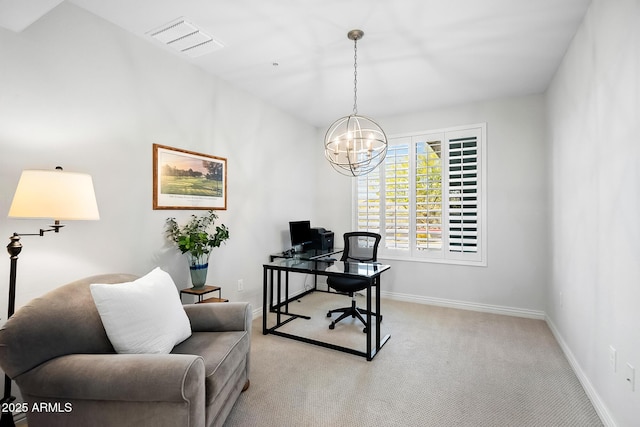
x: 187, y: 180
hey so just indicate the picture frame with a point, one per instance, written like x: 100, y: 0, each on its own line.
x: 185, y: 179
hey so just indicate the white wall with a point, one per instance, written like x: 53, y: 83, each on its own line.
x: 79, y: 92
x: 515, y: 279
x: 594, y: 140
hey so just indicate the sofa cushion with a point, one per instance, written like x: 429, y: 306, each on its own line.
x: 143, y: 316
x: 222, y: 352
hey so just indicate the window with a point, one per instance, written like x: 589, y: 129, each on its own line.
x: 427, y: 199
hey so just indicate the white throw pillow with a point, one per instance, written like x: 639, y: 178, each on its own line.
x: 143, y: 316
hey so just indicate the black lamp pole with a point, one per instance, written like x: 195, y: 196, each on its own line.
x: 14, y: 248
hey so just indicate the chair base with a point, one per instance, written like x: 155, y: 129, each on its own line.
x: 353, y: 311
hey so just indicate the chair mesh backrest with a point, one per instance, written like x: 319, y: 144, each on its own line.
x: 360, y: 246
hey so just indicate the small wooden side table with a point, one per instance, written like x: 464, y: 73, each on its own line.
x: 200, y: 293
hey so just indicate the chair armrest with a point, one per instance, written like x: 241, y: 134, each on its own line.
x: 124, y: 377
x: 220, y: 317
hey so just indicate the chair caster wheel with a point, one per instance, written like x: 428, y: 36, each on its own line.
x: 364, y: 330
x: 332, y: 326
x: 329, y: 314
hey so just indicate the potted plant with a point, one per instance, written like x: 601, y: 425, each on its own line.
x: 196, y: 241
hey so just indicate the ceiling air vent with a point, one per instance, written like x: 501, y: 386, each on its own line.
x: 185, y: 37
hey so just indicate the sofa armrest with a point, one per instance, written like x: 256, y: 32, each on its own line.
x: 118, y: 377
x: 220, y: 317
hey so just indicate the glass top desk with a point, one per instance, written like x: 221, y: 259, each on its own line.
x: 276, y: 276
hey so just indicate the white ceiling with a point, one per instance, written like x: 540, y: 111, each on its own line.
x: 415, y: 55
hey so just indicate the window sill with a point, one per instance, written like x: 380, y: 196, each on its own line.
x: 482, y: 263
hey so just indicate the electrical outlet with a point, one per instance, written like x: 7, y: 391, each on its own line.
x: 631, y: 376
x: 612, y: 358
x: 240, y: 285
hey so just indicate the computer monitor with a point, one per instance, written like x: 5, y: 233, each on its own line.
x: 300, y: 232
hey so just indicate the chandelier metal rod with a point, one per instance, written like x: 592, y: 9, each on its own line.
x: 355, y: 77
x: 355, y: 35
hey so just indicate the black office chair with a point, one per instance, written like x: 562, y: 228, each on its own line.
x: 359, y: 246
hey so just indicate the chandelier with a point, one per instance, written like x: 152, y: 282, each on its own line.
x: 355, y: 145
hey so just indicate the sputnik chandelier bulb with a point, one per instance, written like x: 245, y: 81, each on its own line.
x: 355, y: 145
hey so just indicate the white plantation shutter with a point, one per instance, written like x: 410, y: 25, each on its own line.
x: 428, y: 193
x: 397, y: 209
x: 463, y: 201
x: 368, y: 202
x: 427, y: 199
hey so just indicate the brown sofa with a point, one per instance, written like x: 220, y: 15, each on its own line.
x: 58, y: 353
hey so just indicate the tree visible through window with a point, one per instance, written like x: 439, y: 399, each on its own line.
x: 427, y: 198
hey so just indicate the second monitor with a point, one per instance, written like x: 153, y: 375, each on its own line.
x: 300, y: 232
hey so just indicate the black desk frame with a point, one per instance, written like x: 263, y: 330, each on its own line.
x: 312, y: 254
x: 312, y: 267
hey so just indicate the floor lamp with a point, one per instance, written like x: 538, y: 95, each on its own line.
x: 51, y: 194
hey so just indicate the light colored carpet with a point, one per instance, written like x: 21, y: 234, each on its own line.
x: 441, y: 367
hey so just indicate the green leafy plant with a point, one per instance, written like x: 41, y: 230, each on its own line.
x: 194, y: 237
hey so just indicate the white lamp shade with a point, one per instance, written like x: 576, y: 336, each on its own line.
x: 54, y: 194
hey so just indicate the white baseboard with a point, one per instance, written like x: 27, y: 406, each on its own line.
x: 597, y: 402
x: 465, y: 305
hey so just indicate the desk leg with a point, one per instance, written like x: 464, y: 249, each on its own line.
x: 264, y: 300
x: 271, y: 290
x: 286, y: 291
x: 379, y: 342
x: 279, y: 299
x: 369, y: 325
x: 379, y: 314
